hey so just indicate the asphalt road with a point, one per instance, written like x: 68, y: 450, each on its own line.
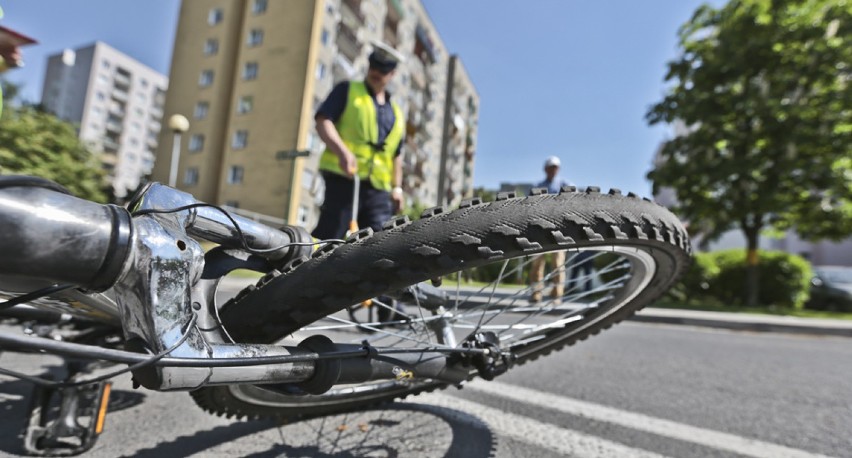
x: 636, y: 390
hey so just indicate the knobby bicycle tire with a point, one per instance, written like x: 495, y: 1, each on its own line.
x: 441, y: 243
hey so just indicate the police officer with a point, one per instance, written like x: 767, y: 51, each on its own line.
x: 363, y: 131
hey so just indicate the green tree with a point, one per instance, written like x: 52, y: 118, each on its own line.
x: 763, y: 88
x: 36, y: 143
x: 485, y: 194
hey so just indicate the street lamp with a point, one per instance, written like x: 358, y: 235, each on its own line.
x: 178, y: 124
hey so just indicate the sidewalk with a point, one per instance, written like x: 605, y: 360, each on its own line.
x: 720, y: 320
x: 746, y: 321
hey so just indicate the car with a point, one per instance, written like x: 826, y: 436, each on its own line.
x: 831, y: 289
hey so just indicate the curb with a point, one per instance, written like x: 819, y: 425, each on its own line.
x: 745, y: 322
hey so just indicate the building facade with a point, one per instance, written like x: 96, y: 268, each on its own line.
x: 116, y: 101
x: 250, y: 74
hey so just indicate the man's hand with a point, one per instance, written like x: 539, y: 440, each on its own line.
x: 398, y: 198
x: 347, y: 162
x: 10, y: 56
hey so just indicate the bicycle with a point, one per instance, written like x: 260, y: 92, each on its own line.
x: 134, y: 286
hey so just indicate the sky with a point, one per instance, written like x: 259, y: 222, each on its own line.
x: 568, y: 78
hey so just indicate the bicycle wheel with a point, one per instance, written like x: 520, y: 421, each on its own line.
x: 631, y: 251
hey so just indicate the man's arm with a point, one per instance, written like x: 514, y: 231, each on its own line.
x: 329, y: 134
x: 396, y: 193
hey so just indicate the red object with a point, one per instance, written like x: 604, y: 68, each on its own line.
x: 11, y: 37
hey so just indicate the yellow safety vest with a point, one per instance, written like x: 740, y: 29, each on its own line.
x: 358, y: 127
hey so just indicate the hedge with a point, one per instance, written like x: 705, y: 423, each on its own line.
x: 719, y: 278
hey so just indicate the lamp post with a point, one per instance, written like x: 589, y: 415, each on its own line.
x: 178, y: 124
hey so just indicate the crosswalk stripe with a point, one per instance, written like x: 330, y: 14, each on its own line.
x: 560, y: 440
x: 640, y: 422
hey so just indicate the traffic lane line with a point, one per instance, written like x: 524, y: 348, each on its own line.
x: 533, y: 432
x: 640, y: 422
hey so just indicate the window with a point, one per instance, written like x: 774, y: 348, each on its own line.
x: 100, y: 95
x: 324, y: 37
x: 235, y: 174
x: 200, y: 111
x: 255, y: 37
x: 259, y: 6
x: 103, y: 78
x: 245, y: 104
x: 211, y: 47
x: 190, y: 177
x: 307, y: 179
x: 320, y: 71
x: 215, y: 16
x: 105, y: 64
x: 240, y: 139
x: 250, y: 71
x: 144, y: 83
x: 206, y: 78
x: 196, y: 143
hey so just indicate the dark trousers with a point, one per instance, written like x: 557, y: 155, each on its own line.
x: 374, y: 207
x: 582, y: 267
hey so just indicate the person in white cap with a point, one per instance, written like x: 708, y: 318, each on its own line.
x: 553, y: 183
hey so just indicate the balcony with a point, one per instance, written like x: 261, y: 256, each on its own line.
x: 347, y: 42
x: 351, y: 12
x: 390, y: 36
x: 120, y: 95
x: 342, y: 68
x: 121, y: 80
x: 424, y: 49
x: 116, y: 109
x: 110, y: 145
x: 112, y: 126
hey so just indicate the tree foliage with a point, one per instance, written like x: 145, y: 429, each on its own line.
x: 36, y: 143
x: 763, y: 90
x: 763, y: 87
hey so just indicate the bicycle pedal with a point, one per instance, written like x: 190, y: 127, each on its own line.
x: 66, y: 421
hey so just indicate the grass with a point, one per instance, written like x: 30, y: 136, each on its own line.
x: 243, y: 273
x: 803, y: 313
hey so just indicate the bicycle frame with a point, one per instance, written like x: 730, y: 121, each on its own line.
x: 167, y: 281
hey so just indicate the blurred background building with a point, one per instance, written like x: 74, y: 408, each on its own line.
x: 117, y: 104
x: 250, y: 74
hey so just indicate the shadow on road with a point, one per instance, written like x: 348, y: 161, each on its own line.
x: 15, y: 406
x: 400, y: 430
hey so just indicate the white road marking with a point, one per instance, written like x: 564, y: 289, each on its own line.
x: 640, y: 422
x: 560, y: 440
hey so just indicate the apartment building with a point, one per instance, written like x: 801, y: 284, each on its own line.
x: 117, y: 104
x: 455, y: 173
x: 250, y: 74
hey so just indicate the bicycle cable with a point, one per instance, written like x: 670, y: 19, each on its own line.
x: 239, y: 230
x: 144, y: 363
x: 33, y: 295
